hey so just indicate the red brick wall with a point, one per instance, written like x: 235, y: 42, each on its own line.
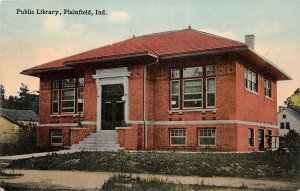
x: 233, y: 103
x: 255, y: 107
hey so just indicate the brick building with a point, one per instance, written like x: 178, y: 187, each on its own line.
x: 184, y: 89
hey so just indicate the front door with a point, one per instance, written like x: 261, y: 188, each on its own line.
x: 261, y: 140
x: 112, y: 107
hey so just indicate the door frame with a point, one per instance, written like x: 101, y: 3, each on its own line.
x: 110, y: 77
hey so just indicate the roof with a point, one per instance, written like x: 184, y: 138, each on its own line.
x: 18, y: 115
x: 157, y: 45
x: 291, y: 111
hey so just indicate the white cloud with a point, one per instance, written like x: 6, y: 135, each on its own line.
x: 53, y: 24
x: 228, y: 34
x: 56, y: 25
x: 118, y: 16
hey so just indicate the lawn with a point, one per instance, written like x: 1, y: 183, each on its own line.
x: 248, y: 165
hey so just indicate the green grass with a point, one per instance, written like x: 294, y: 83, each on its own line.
x: 248, y: 165
x: 122, y: 182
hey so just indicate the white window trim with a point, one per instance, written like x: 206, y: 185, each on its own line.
x: 179, y: 100
x: 67, y: 100
x: 206, y: 70
x: 270, y: 88
x: 171, y: 74
x: 192, y: 76
x: 253, y: 138
x: 78, y: 82
x: 199, y: 144
x: 257, y: 76
x: 178, y: 136
x: 192, y: 93
x: 79, y: 88
x: 65, y: 87
x: 55, y: 101
x: 215, y: 92
x: 57, y: 144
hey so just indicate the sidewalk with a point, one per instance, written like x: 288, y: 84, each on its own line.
x: 25, y: 156
x: 95, y: 180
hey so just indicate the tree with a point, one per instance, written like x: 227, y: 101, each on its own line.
x: 291, y: 139
x: 293, y: 102
x: 25, y: 101
x: 2, y: 98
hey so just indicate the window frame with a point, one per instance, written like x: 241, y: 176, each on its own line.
x: 249, y: 83
x: 74, y: 101
x: 177, y: 129
x: 204, y: 93
x: 55, y: 101
x: 207, y: 129
x: 76, y: 87
x: 268, y: 90
x: 251, y: 133
x: 183, y: 94
x: 282, y: 125
x: 52, y: 131
x: 207, y: 92
x: 287, y: 125
x: 178, y: 94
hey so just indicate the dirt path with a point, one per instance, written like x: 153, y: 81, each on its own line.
x: 95, y: 180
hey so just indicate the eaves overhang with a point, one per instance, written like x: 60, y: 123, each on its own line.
x: 105, y: 59
x: 38, y: 72
x: 264, y: 63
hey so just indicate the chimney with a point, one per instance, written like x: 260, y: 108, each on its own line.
x: 249, y: 40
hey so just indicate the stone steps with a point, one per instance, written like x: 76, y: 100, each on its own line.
x: 105, y: 140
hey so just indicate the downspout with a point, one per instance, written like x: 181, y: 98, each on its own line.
x: 145, y: 103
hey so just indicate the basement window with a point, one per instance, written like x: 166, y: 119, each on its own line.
x: 178, y: 137
x: 251, y: 137
x: 207, y: 137
x: 56, y: 137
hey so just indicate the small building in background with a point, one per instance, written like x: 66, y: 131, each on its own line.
x: 12, y: 122
x: 288, y: 119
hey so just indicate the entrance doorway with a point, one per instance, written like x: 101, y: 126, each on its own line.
x: 112, y: 106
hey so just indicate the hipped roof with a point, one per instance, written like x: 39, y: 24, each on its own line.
x: 159, y: 45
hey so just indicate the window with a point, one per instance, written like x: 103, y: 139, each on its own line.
x: 287, y: 125
x: 80, y: 99
x: 281, y: 125
x: 68, y: 100
x: 56, y: 137
x: 67, y: 83
x: 187, y: 87
x: 175, y: 73
x: 268, y: 88
x: 67, y: 95
x: 192, y: 72
x: 207, y: 137
x: 80, y: 81
x: 55, y: 101
x: 211, y: 70
x: 211, y: 92
x: 251, y: 137
x: 178, y: 137
x: 284, y: 116
x: 175, y: 94
x: 192, y: 94
x: 251, y: 80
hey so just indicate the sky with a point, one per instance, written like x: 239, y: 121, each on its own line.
x: 27, y: 40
